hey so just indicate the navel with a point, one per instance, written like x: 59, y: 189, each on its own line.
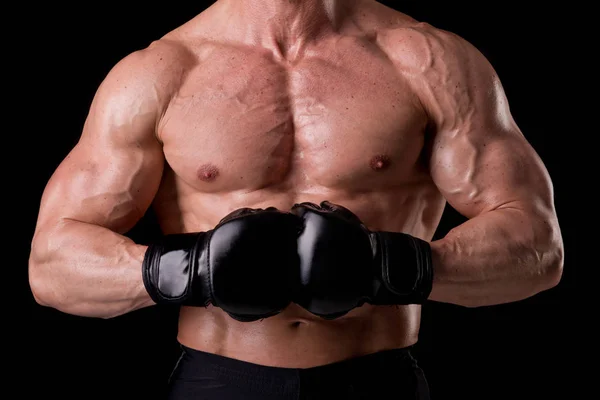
x: 380, y: 162
x: 208, y: 173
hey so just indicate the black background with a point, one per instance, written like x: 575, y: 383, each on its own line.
x: 528, y: 349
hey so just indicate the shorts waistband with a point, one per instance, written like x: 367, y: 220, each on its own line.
x: 218, y: 363
x: 360, y: 364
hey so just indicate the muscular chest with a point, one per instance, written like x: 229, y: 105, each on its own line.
x: 244, y: 121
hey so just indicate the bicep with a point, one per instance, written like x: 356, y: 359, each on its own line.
x: 480, y: 160
x: 108, y: 186
x: 112, y: 174
x: 489, y: 168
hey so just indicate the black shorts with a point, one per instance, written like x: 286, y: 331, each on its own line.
x: 390, y: 374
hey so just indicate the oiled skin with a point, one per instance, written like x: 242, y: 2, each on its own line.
x: 288, y: 102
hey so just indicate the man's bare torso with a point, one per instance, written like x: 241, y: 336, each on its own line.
x: 252, y: 125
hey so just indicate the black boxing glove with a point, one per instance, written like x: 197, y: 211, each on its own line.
x: 344, y: 265
x: 247, y: 265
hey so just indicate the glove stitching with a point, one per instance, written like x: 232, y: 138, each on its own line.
x: 209, y: 271
x: 419, y: 263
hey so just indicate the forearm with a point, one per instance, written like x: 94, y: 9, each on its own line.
x: 501, y: 256
x: 87, y: 270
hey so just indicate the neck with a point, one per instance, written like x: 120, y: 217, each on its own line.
x: 287, y: 24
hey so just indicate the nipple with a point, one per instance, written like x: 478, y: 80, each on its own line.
x: 208, y: 173
x: 380, y: 162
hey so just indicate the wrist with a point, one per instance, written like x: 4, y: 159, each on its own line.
x: 167, y: 266
x: 406, y: 268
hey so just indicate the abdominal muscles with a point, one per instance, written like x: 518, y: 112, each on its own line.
x: 298, y: 339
